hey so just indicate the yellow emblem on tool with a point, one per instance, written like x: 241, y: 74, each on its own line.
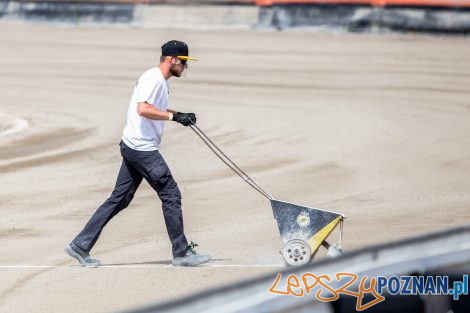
x: 303, y: 220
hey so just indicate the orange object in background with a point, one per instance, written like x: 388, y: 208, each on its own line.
x: 380, y: 3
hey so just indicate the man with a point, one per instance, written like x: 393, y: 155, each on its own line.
x: 146, y: 116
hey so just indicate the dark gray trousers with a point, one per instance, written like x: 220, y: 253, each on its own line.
x: 137, y: 165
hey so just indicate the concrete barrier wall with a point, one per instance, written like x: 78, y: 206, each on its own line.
x: 200, y: 16
x: 178, y: 2
x: 364, y: 18
x: 280, y: 16
x: 378, y: 3
x: 68, y: 12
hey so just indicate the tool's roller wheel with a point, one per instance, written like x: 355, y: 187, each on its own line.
x: 297, y: 252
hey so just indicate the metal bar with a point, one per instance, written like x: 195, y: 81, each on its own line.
x: 341, y: 233
x: 229, y: 162
x: 224, y: 158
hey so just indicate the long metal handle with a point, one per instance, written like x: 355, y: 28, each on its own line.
x: 224, y: 158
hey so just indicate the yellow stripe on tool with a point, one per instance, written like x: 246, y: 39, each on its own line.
x: 320, y: 236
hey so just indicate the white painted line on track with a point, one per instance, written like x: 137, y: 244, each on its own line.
x: 141, y: 266
x: 28, y: 266
x: 203, y: 265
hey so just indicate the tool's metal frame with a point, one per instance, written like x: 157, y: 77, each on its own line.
x: 297, y: 224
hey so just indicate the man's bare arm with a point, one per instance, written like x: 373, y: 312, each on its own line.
x: 145, y: 109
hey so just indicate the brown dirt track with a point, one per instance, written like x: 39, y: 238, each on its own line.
x: 374, y: 126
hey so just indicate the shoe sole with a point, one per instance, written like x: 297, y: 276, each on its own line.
x: 189, y: 264
x: 77, y: 256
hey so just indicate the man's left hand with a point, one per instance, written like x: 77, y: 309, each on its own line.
x: 185, y: 119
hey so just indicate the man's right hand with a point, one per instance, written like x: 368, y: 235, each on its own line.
x: 185, y: 119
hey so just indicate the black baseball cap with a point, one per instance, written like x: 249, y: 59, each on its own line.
x: 175, y: 48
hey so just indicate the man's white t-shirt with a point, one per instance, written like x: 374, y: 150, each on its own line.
x: 141, y: 133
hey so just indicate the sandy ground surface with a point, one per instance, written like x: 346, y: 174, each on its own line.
x: 374, y: 126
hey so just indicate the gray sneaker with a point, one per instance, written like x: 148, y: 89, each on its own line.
x: 82, y: 256
x: 191, y: 258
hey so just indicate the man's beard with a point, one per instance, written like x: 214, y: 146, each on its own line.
x: 175, y: 71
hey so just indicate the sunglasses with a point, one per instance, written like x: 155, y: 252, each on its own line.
x: 179, y: 61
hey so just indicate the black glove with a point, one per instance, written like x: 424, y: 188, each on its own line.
x: 193, y: 118
x: 185, y: 119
